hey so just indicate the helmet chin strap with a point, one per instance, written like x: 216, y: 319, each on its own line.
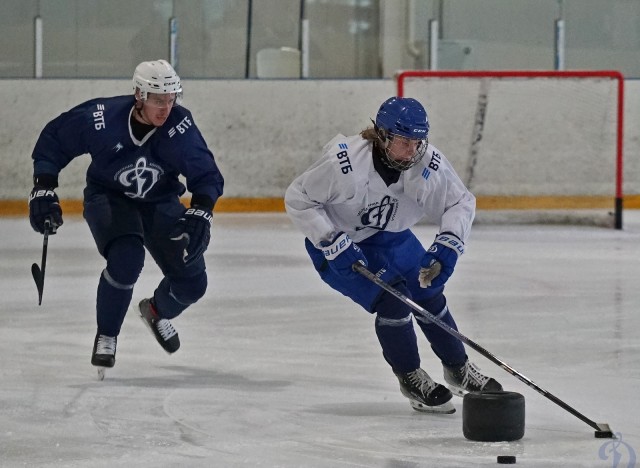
x: 383, y: 138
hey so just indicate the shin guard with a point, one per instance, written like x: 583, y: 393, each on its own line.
x: 447, y: 347
x: 394, y: 328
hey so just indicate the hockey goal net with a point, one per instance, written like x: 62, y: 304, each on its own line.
x: 533, y: 146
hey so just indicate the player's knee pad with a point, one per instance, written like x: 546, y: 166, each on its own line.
x: 125, y: 259
x: 188, y: 290
x: 390, y: 310
x: 174, y: 295
x: 437, y: 307
x: 447, y: 347
x: 434, y: 305
x: 395, y: 332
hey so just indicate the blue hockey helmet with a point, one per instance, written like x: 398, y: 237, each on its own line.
x: 405, y: 118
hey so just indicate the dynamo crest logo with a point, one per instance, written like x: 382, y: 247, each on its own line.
x: 377, y: 215
x: 141, y: 176
x: 619, y: 453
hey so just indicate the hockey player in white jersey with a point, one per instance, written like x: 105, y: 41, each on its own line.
x: 357, y: 203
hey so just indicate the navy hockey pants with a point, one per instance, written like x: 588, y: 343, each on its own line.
x: 397, y: 256
x: 122, y: 228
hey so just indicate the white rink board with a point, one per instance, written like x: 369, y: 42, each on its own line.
x: 264, y: 133
x: 542, y: 136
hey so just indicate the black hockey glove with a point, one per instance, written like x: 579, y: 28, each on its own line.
x: 440, y: 260
x: 195, y: 227
x: 44, y: 204
x: 341, y: 253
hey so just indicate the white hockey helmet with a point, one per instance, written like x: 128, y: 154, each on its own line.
x: 157, y: 76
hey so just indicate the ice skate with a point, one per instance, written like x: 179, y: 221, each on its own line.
x: 161, y: 328
x: 103, y: 355
x: 424, y: 394
x: 468, y: 378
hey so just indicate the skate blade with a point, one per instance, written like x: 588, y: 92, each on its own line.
x: 445, y: 408
x: 101, y: 373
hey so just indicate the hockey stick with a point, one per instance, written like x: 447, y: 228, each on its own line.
x: 603, y: 431
x: 38, y: 271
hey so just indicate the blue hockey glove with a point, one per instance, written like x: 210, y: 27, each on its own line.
x: 341, y: 254
x: 44, y: 204
x: 194, y: 226
x: 440, y: 260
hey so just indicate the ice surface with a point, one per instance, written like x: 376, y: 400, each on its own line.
x: 277, y: 370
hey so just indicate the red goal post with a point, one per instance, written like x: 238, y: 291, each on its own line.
x: 579, y: 89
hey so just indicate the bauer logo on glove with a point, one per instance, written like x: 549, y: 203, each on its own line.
x: 449, y: 240
x: 341, y: 253
x: 199, y: 212
x: 341, y: 242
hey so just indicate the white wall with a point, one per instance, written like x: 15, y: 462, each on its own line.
x: 263, y: 133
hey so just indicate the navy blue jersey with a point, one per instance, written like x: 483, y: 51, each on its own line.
x: 144, y: 170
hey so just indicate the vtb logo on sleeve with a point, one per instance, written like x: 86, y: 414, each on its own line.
x: 182, y: 127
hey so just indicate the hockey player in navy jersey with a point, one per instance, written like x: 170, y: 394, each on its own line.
x: 357, y: 203
x: 139, y: 145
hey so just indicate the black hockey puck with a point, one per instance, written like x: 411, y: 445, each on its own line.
x: 604, y: 435
x: 493, y: 416
x: 506, y: 459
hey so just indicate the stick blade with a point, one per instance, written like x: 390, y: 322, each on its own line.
x: 604, y: 432
x: 39, y: 280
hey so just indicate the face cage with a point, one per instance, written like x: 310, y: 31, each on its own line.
x: 405, y: 164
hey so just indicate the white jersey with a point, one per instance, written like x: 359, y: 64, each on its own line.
x: 342, y: 192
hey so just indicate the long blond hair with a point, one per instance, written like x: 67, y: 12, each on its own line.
x: 370, y: 134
